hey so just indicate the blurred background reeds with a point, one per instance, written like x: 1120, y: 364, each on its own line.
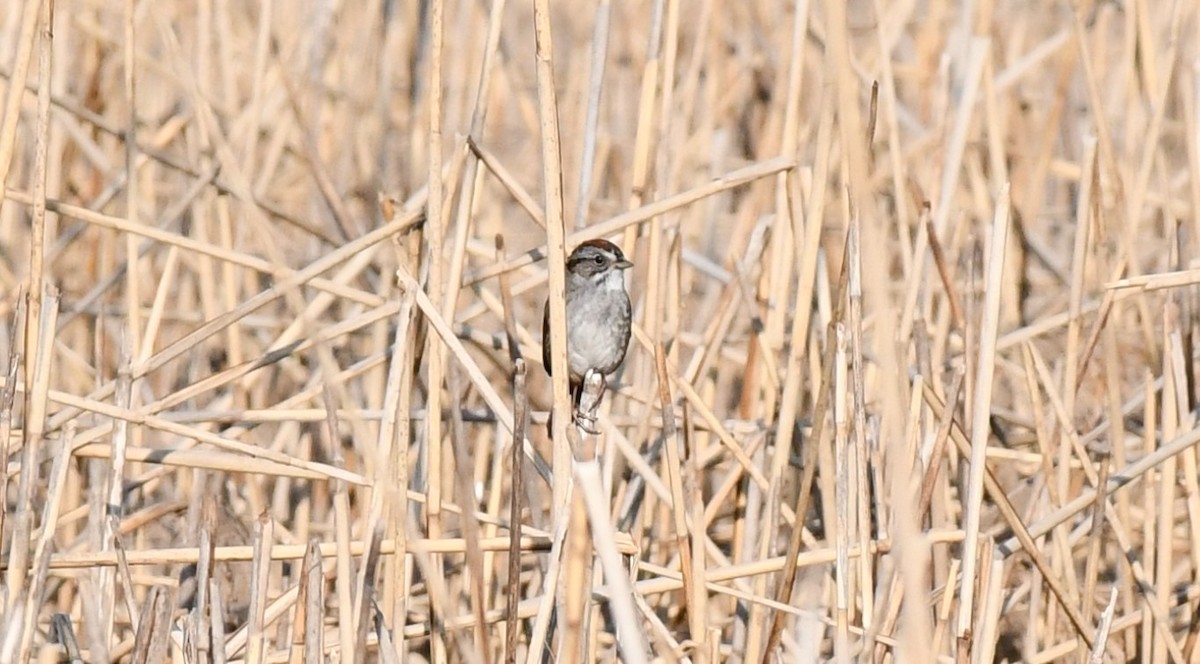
x: 912, y: 378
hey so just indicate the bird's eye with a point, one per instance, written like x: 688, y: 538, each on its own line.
x: 599, y: 260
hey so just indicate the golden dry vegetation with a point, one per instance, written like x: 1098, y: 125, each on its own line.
x: 913, y: 375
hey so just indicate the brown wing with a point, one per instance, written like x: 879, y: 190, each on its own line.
x: 574, y: 384
x: 546, y: 337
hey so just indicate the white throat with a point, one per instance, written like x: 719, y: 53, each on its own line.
x: 612, y: 280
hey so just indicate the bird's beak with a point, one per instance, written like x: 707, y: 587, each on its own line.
x: 623, y: 264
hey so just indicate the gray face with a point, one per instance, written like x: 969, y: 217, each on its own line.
x: 588, y: 261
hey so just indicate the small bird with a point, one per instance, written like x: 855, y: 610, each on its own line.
x: 598, y: 313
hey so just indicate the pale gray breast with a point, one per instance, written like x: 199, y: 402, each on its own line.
x: 597, y: 334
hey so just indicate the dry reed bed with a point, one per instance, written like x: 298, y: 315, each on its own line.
x: 932, y: 261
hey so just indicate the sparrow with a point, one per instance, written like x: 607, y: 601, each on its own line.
x: 599, y: 315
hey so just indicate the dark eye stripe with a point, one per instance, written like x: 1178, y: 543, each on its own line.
x: 575, y: 261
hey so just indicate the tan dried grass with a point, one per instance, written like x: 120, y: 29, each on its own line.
x: 914, y: 322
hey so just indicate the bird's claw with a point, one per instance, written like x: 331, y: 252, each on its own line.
x: 587, y: 422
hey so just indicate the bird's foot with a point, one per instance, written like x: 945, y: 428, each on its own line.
x: 588, y: 401
x: 587, y: 422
